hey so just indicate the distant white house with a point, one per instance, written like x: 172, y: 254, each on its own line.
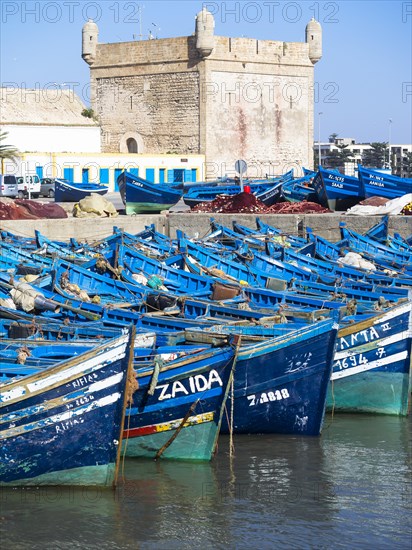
x: 47, y: 120
x: 397, y: 159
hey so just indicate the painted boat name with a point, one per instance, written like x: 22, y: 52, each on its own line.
x: 198, y: 383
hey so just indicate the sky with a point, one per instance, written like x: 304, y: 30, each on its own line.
x: 363, y: 83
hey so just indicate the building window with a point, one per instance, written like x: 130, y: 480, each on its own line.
x: 131, y: 145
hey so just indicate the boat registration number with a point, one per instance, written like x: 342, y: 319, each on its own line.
x: 264, y: 397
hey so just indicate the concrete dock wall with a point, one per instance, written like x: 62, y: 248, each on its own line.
x: 325, y: 225
x: 89, y: 229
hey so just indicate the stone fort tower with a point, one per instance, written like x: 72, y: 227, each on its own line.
x: 225, y: 98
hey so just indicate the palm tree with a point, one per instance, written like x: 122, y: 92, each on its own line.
x: 338, y: 158
x: 7, y: 151
x: 376, y: 156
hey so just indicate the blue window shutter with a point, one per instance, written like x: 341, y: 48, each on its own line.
x: 104, y: 175
x: 162, y: 172
x: 68, y: 174
x: 85, y: 175
x: 117, y: 172
x: 39, y: 171
x: 134, y: 171
x: 170, y: 176
x: 188, y: 175
x: 194, y: 174
x: 150, y: 174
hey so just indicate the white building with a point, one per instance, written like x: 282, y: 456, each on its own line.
x: 47, y: 120
x: 55, y: 140
x: 396, y: 162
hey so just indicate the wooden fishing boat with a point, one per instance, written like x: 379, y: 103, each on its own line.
x: 177, y: 410
x: 332, y: 186
x: 371, y: 369
x: 139, y: 195
x: 268, y: 193
x: 63, y: 425
x: 65, y: 191
x: 362, y: 243
x: 281, y: 383
x: 377, y: 183
x: 300, y: 189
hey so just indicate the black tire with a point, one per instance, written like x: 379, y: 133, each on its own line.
x: 20, y: 195
x: 51, y: 193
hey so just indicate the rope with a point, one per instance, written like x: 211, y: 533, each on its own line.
x: 237, y: 341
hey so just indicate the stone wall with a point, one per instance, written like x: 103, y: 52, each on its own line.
x: 163, y: 109
x: 325, y: 225
x: 250, y: 99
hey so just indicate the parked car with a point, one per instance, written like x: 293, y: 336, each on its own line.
x: 26, y: 184
x: 8, y: 186
x: 47, y: 187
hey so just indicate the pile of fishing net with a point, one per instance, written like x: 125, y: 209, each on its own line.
x: 20, y: 209
x: 248, y: 203
x: 303, y: 207
x: 231, y: 204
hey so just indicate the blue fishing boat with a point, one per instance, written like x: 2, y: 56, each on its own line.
x: 268, y: 193
x: 300, y: 189
x: 65, y: 191
x: 177, y: 410
x: 332, y: 186
x: 281, y: 383
x: 63, y: 425
x: 377, y: 183
x: 140, y: 195
x: 371, y: 369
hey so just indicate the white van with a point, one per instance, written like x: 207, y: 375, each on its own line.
x: 8, y: 186
x: 26, y: 184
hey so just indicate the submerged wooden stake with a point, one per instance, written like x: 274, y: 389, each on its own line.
x: 177, y: 431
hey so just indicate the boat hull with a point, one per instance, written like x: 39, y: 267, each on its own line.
x: 185, y: 409
x: 68, y: 192
x: 63, y: 425
x: 371, y: 369
x: 280, y: 385
x: 142, y: 196
x: 146, y: 207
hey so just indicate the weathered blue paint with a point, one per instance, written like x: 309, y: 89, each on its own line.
x: 201, y: 379
x: 280, y: 384
x: 74, y: 192
x: 371, y: 369
x: 64, y: 419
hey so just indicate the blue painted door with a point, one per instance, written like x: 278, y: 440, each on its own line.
x: 178, y: 175
x: 39, y: 171
x: 150, y: 174
x: 68, y: 174
x: 134, y: 171
x: 187, y: 174
x: 117, y: 172
x: 194, y: 174
x: 162, y: 173
x: 85, y: 175
x: 104, y: 175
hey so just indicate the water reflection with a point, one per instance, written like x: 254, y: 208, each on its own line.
x: 350, y: 487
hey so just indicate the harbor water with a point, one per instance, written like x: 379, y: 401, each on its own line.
x: 349, y: 488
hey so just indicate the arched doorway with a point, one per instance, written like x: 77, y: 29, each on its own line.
x: 131, y: 144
